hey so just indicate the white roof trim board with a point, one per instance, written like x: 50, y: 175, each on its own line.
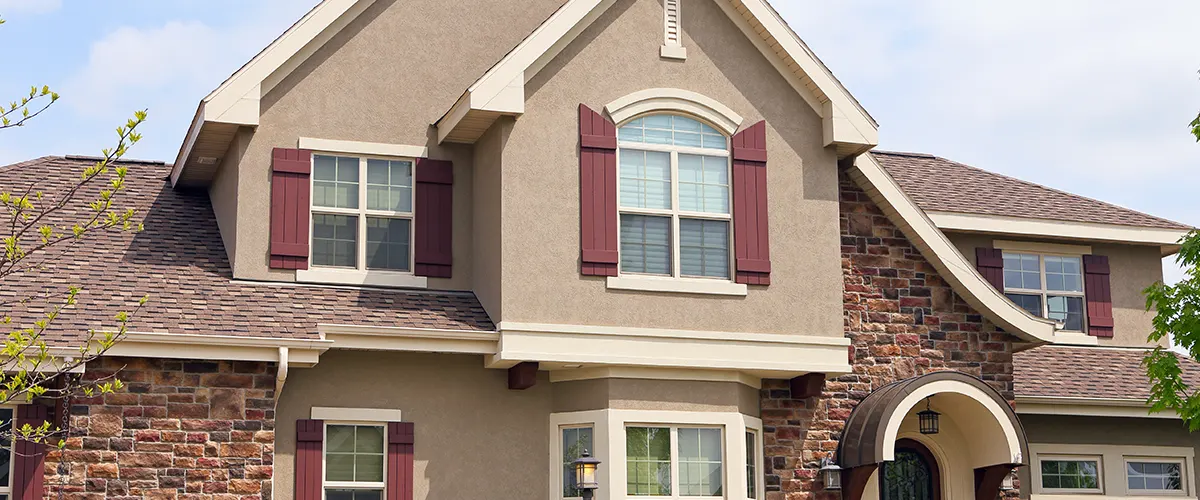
x: 951, y: 265
x: 500, y: 91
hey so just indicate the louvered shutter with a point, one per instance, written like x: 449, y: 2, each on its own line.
x: 751, y: 227
x: 1099, y: 295
x: 990, y: 263
x: 28, y: 481
x: 434, y: 218
x: 597, y: 193
x: 290, y: 190
x: 400, y: 461
x: 309, y: 472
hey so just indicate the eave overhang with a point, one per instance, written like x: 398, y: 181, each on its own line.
x: 1166, y: 239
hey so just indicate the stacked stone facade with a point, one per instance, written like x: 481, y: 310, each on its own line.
x: 202, y: 430
x: 903, y: 320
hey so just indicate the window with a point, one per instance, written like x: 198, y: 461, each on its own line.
x: 1154, y: 476
x: 1078, y: 475
x: 362, y: 213
x: 751, y: 461
x: 1049, y: 286
x: 354, y: 461
x: 674, y: 198
x: 574, y: 442
x: 663, y: 460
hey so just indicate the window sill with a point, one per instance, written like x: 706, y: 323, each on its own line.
x: 676, y: 285
x: 367, y: 278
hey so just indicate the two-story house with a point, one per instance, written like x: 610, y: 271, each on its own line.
x: 427, y: 250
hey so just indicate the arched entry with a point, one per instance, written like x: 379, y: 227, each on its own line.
x: 980, y: 441
x: 913, y: 475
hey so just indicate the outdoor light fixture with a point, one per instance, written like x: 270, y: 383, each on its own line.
x: 831, y: 474
x: 585, y: 474
x: 1010, y: 481
x: 929, y: 419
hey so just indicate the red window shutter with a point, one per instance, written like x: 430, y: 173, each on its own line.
x: 434, y: 214
x: 290, y: 189
x: 751, y: 227
x: 309, y: 472
x: 400, y: 461
x: 990, y: 263
x: 597, y: 193
x: 1099, y: 295
x: 29, y: 458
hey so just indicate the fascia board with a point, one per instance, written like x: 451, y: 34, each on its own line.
x: 978, y: 223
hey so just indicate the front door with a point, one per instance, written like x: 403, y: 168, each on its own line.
x: 912, y: 476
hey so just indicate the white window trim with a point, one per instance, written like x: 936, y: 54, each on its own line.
x: 681, y: 284
x: 334, y: 146
x: 360, y: 275
x: 1183, y: 469
x: 1100, y: 473
x: 608, y: 437
x: 353, y: 485
x: 1044, y: 293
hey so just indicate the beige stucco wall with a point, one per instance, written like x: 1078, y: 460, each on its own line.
x: 385, y: 78
x: 618, y: 55
x: 1132, y: 268
x: 488, y: 226
x: 1107, y: 431
x: 643, y: 394
x: 224, y: 195
x: 465, y: 419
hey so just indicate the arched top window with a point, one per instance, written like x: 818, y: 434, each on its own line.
x: 674, y: 198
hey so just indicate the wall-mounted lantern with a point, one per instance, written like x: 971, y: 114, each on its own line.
x: 929, y: 419
x: 831, y: 474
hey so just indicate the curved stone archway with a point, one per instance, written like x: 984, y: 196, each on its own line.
x: 997, y: 443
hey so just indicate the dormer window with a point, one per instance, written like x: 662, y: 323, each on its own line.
x: 674, y: 198
x: 362, y: 213
x: 1049, y: 286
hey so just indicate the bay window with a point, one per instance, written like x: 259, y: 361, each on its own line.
x: 663, y: 460
x: 674, y: 198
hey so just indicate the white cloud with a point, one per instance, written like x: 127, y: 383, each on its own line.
x: 29, y: 6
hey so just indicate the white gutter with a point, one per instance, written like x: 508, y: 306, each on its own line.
x: 282, y: 373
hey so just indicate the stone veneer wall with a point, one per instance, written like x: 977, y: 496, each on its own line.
x: 180, y: 430
x: 903, y: 320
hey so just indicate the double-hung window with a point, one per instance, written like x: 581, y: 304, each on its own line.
x: 674, y: 462
x: 674, y: 198
x: 1155, y: 476
x: 354, y: 462
x: 362, y: 213
x: 1049, y: 286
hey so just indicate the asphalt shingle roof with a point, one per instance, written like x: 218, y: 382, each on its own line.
x: 1088, y: 372
x: 180, y: 262
x: 941, y: 185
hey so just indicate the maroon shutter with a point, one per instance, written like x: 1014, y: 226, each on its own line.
x: 434, y: 214
x: 751, y: 228
x: 400, y: 461
x: 290, y: 170
x: 1099, y: 295
x: 309, y: 437
x: 990, y: 263
x: 597, y: 193
x: 28, y: 457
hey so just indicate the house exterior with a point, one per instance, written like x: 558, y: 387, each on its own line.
x: 430, y: 250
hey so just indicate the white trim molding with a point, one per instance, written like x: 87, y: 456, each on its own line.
x: 1042, y: 248
x: 677, y: 285
x: 384, y: 338
x: 500, y: 91
x: 673, y: 30
x: 1112, y: 459
x: 355, y: 277
x: 363, y: 148
x: 760, y: 355
x: 373, y: 415
x: 301, y: 353
x: 1022, y: 226
x: 945, y: 257
x: 1011, y: 452
x: 1088, y: 407
x: 674, y: 100
x: 644, y: 373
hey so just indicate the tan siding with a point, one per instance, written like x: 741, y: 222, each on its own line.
x: 488, y: 225
x: 224, y: 194
x: 618, y: 55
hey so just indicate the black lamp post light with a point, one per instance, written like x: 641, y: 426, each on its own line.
x: 585, y: 475
x: 929, y: 419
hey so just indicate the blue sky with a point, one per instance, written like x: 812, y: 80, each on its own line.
x: 1085, y: 96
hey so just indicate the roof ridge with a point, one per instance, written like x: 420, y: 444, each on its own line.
x: 1056, y: 190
